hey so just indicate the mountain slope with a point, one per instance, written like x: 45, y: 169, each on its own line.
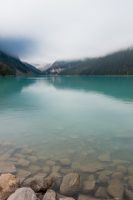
x: 10, y: 65
x: 118, y: 63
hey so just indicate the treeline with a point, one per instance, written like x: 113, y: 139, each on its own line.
x: 119, y: 63
x: 6, y: 70
x: 10, y: 65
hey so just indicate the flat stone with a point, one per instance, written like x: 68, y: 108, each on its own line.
x: 7, y: 167
x: 65, y: 162
x: 116, y: 189
x: 50, y: 163
x: 70, y: 184
x: 105, y: 157
x: 50, y: 195
x: 23, y: 194
x: 23, y: 162
x: 8, y: 184
x: 92, y: 167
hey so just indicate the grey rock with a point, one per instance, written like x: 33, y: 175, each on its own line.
x: 70, y: 184
x: 50, y: 195
x: 23, y: 194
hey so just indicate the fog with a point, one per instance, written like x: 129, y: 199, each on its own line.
x: 49, y: 30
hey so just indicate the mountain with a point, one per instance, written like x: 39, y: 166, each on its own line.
x: 10, y: 65
x: 118, y: 63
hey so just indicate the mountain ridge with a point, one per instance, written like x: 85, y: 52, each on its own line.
x: 117, y: 63
x: 10, y: 65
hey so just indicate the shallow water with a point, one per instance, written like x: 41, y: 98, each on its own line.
x: 77, y: 118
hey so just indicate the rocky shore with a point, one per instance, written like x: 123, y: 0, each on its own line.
x: 25, y: 175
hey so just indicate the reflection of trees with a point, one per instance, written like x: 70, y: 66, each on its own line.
x: 118, y: 87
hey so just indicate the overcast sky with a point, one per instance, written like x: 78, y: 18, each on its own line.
x: 66, y: 29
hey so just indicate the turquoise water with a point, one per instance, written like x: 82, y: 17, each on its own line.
x: 78, y: 118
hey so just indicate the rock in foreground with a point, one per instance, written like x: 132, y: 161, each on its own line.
x: 23, y: 194
x: 50, y: 195
x: 8, y: 184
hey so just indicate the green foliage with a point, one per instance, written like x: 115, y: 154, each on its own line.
x: 119, y: 63
x: 6, y: 70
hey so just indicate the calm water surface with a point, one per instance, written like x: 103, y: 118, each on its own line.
x: 82, y: 119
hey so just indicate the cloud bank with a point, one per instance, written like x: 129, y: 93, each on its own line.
x: 67, y: 29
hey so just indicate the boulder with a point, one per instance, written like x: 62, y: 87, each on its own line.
x: 8, y: 184
x: 23, y: 194
x: 70, y: 184
x: 41, y: 184
x: 116, y: 189
x: 50, y: 195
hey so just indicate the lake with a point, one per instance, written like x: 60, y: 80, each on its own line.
x: 57, y: 125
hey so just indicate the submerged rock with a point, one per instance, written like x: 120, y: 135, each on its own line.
x: 7, y: 167
x: 23, y: 174
x: 50, y: 195
x: 89, y: 185
x: 23, y: 162
x: 105, y: 157
x: 130, y: 182
x: 70, y: 184
x: 8, y: 184
x: 65, y: 162
x: 23, y: 194
x: 66, y: 198
x: 129, y: 194
x: 116, y: 189
x: 88, y: 168
x: 102, y: 193
x: 86, y: 197
x: 50, y: 163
